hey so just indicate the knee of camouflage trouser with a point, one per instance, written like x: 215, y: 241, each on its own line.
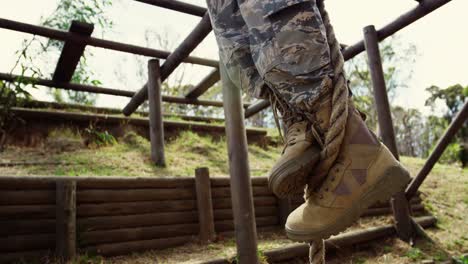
x: 288, y: 43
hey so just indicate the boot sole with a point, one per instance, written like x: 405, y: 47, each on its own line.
x: 394, y: 180
x: 291, y: 177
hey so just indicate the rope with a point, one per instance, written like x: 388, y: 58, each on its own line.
x: 338, y: 118
x: 339, y: 112
x: 317, y: 252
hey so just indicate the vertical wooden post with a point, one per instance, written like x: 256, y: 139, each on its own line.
x: 380, y: 89
x: 156, y: 127
x: 284, y: 209
x: 65, y: 206
x: 241, y: 188
x: 400, y: 205
x: 204, y: 205
x: 401, y: 212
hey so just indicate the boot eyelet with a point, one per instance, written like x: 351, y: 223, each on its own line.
x: 333, y: 179
x: 326, y: 189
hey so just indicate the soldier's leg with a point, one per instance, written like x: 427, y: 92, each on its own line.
x: 289, y: 45
x: 232, y: 36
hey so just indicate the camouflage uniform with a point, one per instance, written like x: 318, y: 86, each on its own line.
x: 273, y: 46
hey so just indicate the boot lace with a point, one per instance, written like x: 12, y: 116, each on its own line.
x: 288, y: 116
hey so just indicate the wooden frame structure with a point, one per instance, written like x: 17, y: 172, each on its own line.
x: 79, y: 37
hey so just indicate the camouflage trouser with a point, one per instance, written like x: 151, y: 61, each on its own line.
x: 277, y: 46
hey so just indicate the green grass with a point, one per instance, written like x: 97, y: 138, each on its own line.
x: 130, y: 156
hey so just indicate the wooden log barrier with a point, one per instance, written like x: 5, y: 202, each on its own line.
x: 137, y: 234
x: 225, y: 203
x: 225, y: 182
x: 226, y: 214
x: 114, y: 249
x: 141, y: 220
x: 24, y: 227
x: 27, y: 197
x: 96, y: 196
x: 204, y: 205
x: 27, y: 242
x: 129, y: 208
x: 12, y: 212
x: 222, y: 192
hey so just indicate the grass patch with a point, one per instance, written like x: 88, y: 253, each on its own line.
x: 130, y: 156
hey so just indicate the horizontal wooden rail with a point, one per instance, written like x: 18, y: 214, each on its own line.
x: 102, y: 90
x: 107, y: 110
x: 177, y: 6
x: 99, y: 43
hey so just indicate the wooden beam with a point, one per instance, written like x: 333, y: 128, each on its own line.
x: 380, y: 90
x: 156, y: 127
x: 204, y: 85
x: 239, y: 170
x: 422, y: 9
x: 108, y: 110
x: 401, y: 212
x: 72, y: 52
x: 102, y: 90
x: 99, y: 43
x: 177, y: 6
x: 173, y: 61
x: 256, y: 107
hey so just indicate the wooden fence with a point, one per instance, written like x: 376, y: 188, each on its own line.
x: 116, y: 215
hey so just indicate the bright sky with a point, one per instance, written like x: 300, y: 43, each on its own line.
x: 441, y: 39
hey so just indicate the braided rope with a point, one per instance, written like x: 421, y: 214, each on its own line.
x: 339, y: 112
x: 338, y: 118
x: 317, y: 252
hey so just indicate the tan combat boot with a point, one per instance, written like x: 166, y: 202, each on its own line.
x: 364, y: 173
x: 301, y: 152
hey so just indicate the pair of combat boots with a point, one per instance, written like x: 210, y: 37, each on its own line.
x: 365, y: 172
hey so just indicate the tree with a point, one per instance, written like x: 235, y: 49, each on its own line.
x: 408, y: 126
x: 453, y: 98
x: 396, y: 61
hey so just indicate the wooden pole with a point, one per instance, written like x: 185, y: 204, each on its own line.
x: 456, y: 124
x: 204, y: 85
x: 285, y: 208
x: 72, y: 52
x: 103, y: 90
x: 399, y: 202
x: 177, y: 6
x: 425, y: 7
x: 401, y: 212
x: 95, y: 42
x: 156, y: 127
x: 65, y: 220
x: 380, y: 90
x: 241, y: 189
x: 204, y: 205
x: 256, y: 107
